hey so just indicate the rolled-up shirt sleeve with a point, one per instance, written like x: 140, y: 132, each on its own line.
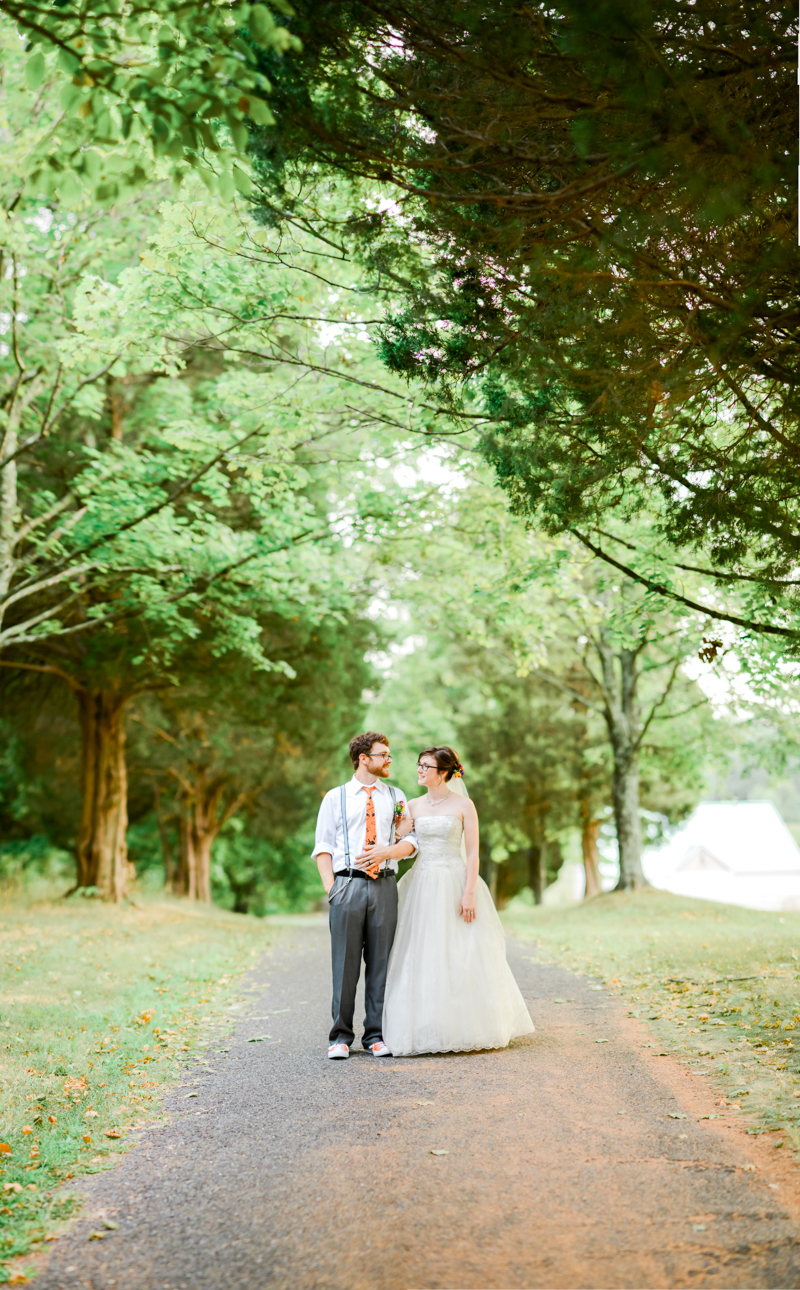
x: 325, y: 838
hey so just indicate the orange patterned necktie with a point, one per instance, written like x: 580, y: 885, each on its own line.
x: 372, y: 832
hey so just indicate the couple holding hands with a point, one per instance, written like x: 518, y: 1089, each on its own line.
x: 437, y: 979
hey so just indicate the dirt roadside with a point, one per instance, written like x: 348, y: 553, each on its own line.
x: 564, y: 1165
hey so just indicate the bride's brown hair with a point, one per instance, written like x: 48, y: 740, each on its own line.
x: 446, y: 759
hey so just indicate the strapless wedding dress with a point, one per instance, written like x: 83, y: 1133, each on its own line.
x: 449, y: 987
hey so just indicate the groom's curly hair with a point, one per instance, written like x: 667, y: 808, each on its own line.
x: 363, y: 744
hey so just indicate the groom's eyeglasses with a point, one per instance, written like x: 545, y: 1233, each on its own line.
x: 381, y: 756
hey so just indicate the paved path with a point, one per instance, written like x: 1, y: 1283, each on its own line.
x: 292, y: 1171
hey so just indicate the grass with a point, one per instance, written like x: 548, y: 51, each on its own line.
x: 100, y: 1008
x: 718, y: 985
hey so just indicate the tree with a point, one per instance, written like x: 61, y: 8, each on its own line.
x: 508, y: 616
x: 195, y: 467
x: 603, y: 201
x: 138, y: 85
x: 244, y: 743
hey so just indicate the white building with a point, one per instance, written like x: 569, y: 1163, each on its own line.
x: 740, y: 853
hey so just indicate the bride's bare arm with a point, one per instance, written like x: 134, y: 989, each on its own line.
x: 471, y: 841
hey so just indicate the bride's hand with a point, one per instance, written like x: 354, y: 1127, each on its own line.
x: 467, y: 907
x: 404, y: 826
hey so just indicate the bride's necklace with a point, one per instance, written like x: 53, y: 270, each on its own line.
x: 441, y: 799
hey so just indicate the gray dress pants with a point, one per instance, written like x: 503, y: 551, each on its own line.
x: 363, y: 918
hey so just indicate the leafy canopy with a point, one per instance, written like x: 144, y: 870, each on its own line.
x: 604, y: 202
x: 122, y: 85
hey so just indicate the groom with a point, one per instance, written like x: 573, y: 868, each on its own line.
x: 357, y: 858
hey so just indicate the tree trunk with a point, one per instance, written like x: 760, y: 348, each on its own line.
x: 625, y: 795
x: 8, y: 515
x: 170, y: 870
x: 591, y: 860
x: 201, y: 821
x: 102, y: 848
x: 186, y: 881
x: 537, y: 853
x: 620, y: 677
x: 203, y: 843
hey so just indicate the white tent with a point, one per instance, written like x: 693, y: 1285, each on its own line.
x: 738, y: 852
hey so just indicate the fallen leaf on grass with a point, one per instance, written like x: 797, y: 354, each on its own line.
x: 749, y: 1169
x: 440, y: 1153
x: 602, y: 1041
x: 111, y: 1227
x: 112, y: 1133
x: 776, y: 1145
x: 717, y: 1116
x: 12, y: 1186
x: 258, y: 1039
x: 87, y: 1137
x: 5, y: 1149
x: 424, y: 1103
x: 192, y: 1094
x: 698, y: 1227
x: 96, y: 1236
x: 677, y: 1115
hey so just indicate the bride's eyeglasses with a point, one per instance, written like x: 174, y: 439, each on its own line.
x: 425, y: 765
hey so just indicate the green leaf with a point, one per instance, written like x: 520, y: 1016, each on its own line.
x: 68, y: 62
x: 259, y: 112
x: 239, y: 134
x: 242, y: 181
x: 35, y: 70
x: 261, y: 23
x: 69, y: 189
x: 71, y: 96
x: 227, y: 188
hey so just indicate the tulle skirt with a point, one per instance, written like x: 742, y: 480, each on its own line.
x: 449, y: 987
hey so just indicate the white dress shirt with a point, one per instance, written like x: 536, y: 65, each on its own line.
x: 330, y: 834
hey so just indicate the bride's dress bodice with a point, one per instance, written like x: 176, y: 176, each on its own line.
x: 439, y: 838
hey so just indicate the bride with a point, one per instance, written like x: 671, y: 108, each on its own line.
x: 449, y: 987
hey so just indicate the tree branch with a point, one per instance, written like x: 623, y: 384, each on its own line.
x: 767, y: 629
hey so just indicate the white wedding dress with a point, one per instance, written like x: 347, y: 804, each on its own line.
x: 449, y: 987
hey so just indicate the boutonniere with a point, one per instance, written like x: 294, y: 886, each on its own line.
x: 399, y: 811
